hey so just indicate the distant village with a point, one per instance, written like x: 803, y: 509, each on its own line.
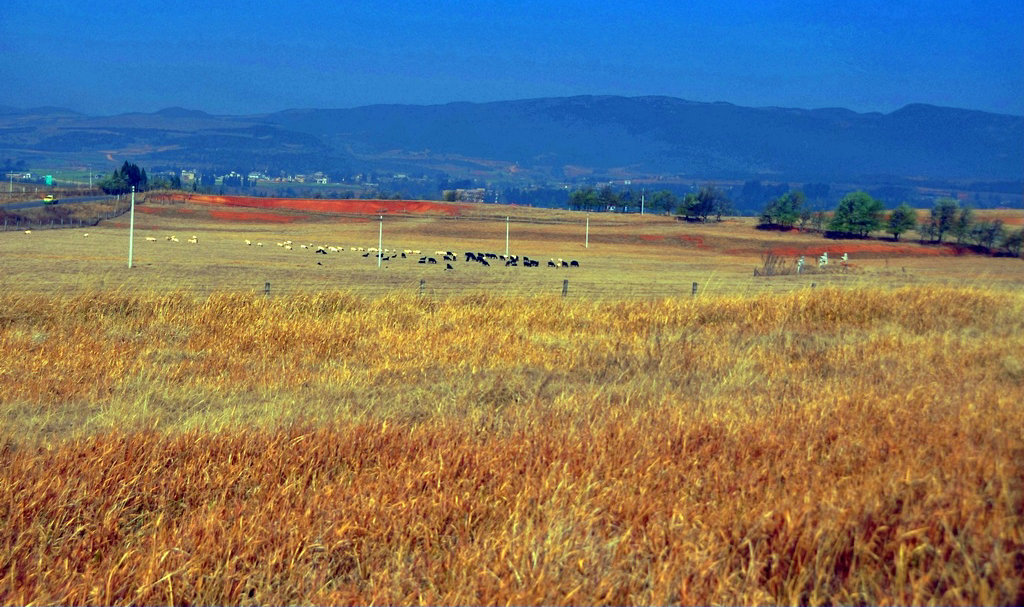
x: 233, y: 178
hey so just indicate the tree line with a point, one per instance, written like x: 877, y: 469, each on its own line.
x: 858, y: 214
x: 702, y: 205
x: 122, y: 180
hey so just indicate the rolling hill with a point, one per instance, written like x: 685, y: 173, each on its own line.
x: 547, y: 139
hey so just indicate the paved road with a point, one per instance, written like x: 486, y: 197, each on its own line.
x: 31, y: 204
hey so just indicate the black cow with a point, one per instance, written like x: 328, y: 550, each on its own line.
x: 574, y: 264
x: 449, y: 266
x: 484, y: 262
x: 551, y: 264
x: 431, y: 260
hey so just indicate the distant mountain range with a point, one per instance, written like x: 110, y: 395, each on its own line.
x: 544, y: 140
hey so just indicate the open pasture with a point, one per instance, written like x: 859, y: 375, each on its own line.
x: 626, y: 255
x: 170, y: 435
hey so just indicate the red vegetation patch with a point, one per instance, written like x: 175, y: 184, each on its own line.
x: 652, y: 237
x: 695, y: 240
x: 362, y: 207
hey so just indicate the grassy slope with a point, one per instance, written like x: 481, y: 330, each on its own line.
x: 825, y: 446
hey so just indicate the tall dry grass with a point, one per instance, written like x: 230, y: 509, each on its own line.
x: 819, y: 447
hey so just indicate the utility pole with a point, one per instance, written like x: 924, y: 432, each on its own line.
x: 642, y: 192
x: 131, y: 230
x: 506, y: 236
x: 380, y: 243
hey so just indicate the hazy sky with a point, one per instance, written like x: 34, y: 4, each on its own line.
x: 110, y: 57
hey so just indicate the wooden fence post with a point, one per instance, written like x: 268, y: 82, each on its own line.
x: 422, y: 282
x: 266, y: 288
x: 565, y: 287
x: 693, y: 290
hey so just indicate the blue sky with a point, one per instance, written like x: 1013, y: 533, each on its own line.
x: 230, y: 57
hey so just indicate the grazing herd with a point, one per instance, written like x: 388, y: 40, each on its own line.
x: 448, y: 258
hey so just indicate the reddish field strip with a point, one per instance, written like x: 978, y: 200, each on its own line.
x: 367, y: 207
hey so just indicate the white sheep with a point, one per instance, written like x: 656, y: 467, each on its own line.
x: 248, y: 242
x: 148, y: 238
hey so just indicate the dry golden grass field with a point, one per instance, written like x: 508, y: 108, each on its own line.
x: 170, y: 434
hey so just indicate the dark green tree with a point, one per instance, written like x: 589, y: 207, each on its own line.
x: 607, y: 198
x: 122, y: 180
x: 1012, y: 242
x: 785, y: 211
x: 687, y: 206
x: 664, y: 201
x: 583, y: 200
x: 708, y: 201
x: 987, y: 234
x: 902, y: 219
x: 961, y: 228
x: 858, y: 214
x: 940, y: 222
x: 626, y: 198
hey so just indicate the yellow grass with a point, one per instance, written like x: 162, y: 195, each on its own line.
x: 171, y: 435
x: 825, y: 446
